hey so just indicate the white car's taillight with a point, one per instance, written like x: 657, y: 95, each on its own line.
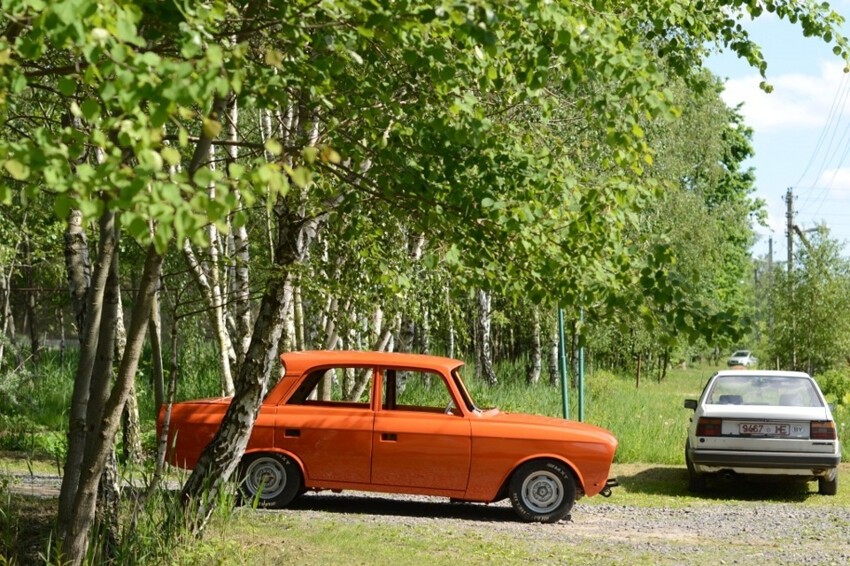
x: 822, y: 430
x: 709, y: 427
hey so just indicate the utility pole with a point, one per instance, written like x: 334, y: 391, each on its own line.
x: 789, y: 229
x: 770, y: 286
x: 789, y: 233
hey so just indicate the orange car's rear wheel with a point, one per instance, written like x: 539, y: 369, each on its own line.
x: 542, y: 491
x: 272, y: 480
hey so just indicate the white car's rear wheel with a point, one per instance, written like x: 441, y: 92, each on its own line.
x: 827, y: 486
x: 696, y: 481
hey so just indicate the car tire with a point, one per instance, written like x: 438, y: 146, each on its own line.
x: 542, y: 491
x: 696, y: 481
x: 270, y: 480
x: 827, y: 486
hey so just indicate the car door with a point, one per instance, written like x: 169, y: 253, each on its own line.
x: 330, y: 434
x: 421, y: 439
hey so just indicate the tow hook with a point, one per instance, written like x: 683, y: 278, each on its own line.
x: 606, y: 491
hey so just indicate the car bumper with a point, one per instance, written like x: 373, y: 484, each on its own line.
x: 771, y: 462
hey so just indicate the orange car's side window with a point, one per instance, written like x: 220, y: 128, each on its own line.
x: 348, y: 387
x: 421, y: 391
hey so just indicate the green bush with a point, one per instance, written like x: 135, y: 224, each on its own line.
x: 835, y: 385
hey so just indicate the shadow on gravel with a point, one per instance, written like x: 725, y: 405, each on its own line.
x: 674, y: 482
x: 348, y: 503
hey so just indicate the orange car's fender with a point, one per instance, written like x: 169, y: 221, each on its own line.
x: 574, y: 469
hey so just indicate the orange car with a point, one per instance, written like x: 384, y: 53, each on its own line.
x: 400, y: 423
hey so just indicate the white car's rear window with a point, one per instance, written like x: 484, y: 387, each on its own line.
x: 777, y: 391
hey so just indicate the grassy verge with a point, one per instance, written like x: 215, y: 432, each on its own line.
x: 355, y: 530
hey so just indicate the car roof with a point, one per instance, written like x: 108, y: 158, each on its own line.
x: 760, y: 373
x: 297, y: 362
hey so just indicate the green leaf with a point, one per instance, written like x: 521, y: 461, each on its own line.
x: 67, y: 86
x: 310, y: 154
x: 215, y: 55
x: 62, y: 206
x: 300, y: 176
x: 329, y: 155
x: 90, y: 109
x: 204, y: 177
x: 171, y: 155
x: 17, y: 169
x: 235, y: 170
x: 150, y: 59
x: 212, y: 128
x: 125, y: 30
x: 273, y: 146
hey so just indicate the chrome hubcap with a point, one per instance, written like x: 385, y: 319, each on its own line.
x: 542, y: 491
x: 265, y: 476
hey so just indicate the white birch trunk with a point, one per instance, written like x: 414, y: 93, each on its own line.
x: 536, y: 348
x: 240, y: 281
x: 77, y: 423
x: 485, y: 359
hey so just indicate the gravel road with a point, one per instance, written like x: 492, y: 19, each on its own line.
x: 708, y: 533
x: 599, y: 530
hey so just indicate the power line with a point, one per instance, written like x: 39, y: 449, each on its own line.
x: 842, y: 93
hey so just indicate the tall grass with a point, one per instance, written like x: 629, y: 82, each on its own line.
x: 34, y: 406
x: 649, y: 420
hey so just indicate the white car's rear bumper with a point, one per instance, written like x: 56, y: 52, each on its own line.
x: 771, y: 463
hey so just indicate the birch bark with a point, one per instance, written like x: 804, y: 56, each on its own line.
x: 97, y: 450
x: 536, y: 348
x: 485, y: 357
x: 219, y: 459
x: 77, y: 424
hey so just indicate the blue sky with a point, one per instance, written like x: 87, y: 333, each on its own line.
x: 801, y: 130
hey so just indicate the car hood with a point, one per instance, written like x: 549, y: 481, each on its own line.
x: 766, y: 412
x: 592, y: 433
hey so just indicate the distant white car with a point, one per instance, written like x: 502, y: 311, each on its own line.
x: 760, y: 422
x: 743, y: 358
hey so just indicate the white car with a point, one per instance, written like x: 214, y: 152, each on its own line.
x: 743, y: 358
x: 760, y: 422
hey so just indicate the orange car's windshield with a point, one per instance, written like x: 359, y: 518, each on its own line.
x: 464, y: 393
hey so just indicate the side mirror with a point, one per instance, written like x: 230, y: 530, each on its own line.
x: 691, y: 404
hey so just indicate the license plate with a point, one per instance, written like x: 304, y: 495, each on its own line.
x: 764, y: 429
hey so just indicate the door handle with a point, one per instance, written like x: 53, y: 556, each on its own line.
x: 389, y: 436
x: 292, y: 433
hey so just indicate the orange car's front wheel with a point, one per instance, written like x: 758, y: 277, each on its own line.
x: 542, y: 491
x: 270, y: 480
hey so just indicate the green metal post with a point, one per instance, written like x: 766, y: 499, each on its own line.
x: 581, y: 373
x: 562, y: 354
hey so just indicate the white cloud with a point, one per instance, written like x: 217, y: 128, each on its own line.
x: 836, y: 182
x: 797, y: 101
x: 775, y: 222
